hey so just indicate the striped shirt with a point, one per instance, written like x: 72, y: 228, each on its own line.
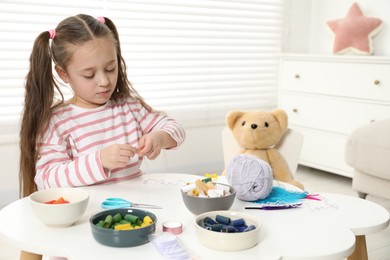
x: 70, y: 149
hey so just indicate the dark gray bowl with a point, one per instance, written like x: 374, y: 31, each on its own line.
x: 122, y: 238
x: 199, y: 205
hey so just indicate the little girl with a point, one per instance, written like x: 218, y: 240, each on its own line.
x: 103, y: 132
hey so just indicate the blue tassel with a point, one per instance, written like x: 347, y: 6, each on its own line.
x: 280, y: 195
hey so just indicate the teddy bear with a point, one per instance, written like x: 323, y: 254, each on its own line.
x: 258, y: 132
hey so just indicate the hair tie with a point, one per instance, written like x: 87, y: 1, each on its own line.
x: 52, y: 33
x: 101, y: 19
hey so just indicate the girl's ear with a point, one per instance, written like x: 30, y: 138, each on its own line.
x: 62, y: 73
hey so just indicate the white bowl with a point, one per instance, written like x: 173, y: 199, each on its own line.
x: 59, y: 215
x: 228, y: 241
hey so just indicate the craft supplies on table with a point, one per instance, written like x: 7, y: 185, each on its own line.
x: 206, y: 188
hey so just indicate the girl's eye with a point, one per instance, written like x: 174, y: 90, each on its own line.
x: 89, y: 76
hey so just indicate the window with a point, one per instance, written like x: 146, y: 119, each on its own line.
x: 194, y: 59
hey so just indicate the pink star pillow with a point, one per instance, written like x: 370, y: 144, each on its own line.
x: 354, y: 32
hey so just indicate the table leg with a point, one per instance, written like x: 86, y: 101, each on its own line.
x: 360, y: 252
x: 29, y: 256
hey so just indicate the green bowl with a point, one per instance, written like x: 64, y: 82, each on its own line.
x: 122, y: 238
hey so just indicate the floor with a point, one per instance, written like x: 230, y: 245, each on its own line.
x: 378, y: 244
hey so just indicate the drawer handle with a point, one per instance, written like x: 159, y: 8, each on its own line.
x: 297, y: 76
x: 377, y: 82
x: 295, y: 110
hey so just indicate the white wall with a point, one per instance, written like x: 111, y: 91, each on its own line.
x: 307, y: 30
x: 9, y: 160
x: 200, y: 153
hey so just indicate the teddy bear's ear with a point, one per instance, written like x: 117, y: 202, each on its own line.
x: 282, y: 118
x: 232, y: 117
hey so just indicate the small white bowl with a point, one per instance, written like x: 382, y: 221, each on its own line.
x: 59, y: 215
x: 228, y: 241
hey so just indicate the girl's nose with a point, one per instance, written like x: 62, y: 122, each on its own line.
x: 103, y: 80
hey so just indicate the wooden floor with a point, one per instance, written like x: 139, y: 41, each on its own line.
x: 378, y: 244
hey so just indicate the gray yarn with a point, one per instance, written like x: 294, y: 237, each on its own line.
x: 250, y: 176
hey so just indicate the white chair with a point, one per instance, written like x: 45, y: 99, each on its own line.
x: 289, y: 146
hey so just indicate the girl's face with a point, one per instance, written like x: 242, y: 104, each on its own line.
x: 92, y: 72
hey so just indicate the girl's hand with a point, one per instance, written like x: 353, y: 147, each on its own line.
x: 150, y: 145
x: 117, y: 155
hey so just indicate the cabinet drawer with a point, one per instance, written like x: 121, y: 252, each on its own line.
x: 324, y: 151
x: 330, y: 114
x: 344, y: 79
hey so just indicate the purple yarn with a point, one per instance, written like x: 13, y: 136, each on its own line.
x: 250, y: 176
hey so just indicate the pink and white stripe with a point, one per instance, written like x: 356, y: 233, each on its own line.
x: 70, y: 151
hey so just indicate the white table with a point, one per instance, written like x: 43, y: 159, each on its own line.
x: 317, y: 230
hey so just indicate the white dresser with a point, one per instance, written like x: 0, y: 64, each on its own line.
x: 326, y: 97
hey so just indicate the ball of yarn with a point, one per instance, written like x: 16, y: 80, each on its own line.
x: 250, y: 176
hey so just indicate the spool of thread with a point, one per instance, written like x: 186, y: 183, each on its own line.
x: 201, y: 185
x: 249, y: 228
x: 229, y: 229
x: 188, y: 187
x: 222, y: 219
x: 208, y: 220
x: 216, y: 227
x: 250, y: 176
x: 173, y: 227
x: 237, y: 222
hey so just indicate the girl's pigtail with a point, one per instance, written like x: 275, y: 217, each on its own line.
x: 39, y: 93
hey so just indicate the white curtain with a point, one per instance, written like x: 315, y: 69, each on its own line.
x: 194, y: 59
